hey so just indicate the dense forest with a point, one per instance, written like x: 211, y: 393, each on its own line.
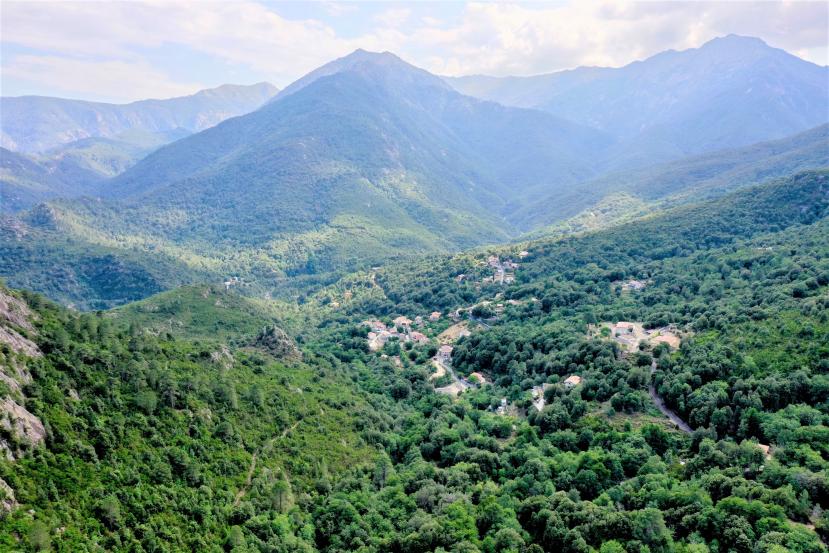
x: 201, y: 420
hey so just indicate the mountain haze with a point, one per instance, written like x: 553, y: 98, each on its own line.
x: 72, y: 170
x: 38, y: 123
x: 684, y: 180
x: 365, y: 159
x: 730, y: 92
x: 368, y: 153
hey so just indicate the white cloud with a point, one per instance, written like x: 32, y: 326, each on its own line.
x: 493, y: 38
x: 500, y: 39
x: 242, y: 32
x: 115, y: 80
x: 339, y: 8
x: 394, y: 17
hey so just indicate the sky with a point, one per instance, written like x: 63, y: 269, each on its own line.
x: 121, y: 51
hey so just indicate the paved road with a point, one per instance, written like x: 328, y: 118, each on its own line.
x: 660, y: 404
x: 462, y: 384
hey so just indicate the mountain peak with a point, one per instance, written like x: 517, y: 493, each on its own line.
x: 366, y: 55
x: 378, y: 65
x: 740, y: 48
x: 733, y: 39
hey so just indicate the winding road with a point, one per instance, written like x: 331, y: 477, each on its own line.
x: 660, y: 404
x: 458, y: 385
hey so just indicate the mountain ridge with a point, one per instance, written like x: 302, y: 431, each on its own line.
x: 731, y: 91
x: 37, y: 123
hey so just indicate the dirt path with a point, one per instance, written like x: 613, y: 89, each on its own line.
x: 264, y: 449
x: 439, y: 370
x: 660, y: 404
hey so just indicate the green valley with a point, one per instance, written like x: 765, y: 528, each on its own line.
x: 340, y: 448
x: 421, y: 307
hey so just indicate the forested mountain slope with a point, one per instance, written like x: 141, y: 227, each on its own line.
x: 730, y: 92
x: 24, y: 181
x: 74, y: 169
x: 380, y: 160
x: 157, y: 443
x: 41, y: 253
x: 742, y: 280
x: 176, y: 394
x: 647, y: 190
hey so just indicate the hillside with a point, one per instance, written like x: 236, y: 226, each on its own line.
x: 146, y: 436
x: 72, y: 170
x: 737, y: 281
x: 194, y: 435
x: 38, y: 123
x: 730, y: 92
x: 24, y: 181
x: 212, y: 312
x: 40, y: 253
x: 621, y: 194
x: 381, y: 159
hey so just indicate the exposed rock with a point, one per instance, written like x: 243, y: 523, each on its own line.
x: 14, y: 226
x: 222, y: 357
x: 16, y: 312
x: 25, y: 427
x: 18, y: 343
x: 277, y: 343
x: 8, y: 503
x: 43, y: 216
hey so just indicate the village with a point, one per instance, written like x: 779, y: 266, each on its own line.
x: 463, y: 320
x: 629, y: 336
x: 405, y: 330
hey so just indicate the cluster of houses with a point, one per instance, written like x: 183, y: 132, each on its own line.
x: 401, y: 328
x: 504, y: 271
x: 629, y: 335
x: 379, y: 334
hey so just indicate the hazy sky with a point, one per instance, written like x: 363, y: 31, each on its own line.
x: 122, y: 51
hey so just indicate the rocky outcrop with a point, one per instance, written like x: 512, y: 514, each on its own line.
x: 27, y: 430
x: 19, y: 429
x: 222, y: 357
x: 274, y: 340
x: 15, y: 311
x: 18, y: 343
x: 8, y: 503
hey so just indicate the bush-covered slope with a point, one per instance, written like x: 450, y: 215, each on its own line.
x: 165, y: 444
x: 745, y: 281
x: 170, y: 420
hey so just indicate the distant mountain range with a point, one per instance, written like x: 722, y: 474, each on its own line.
x: 688, y: 179
x: 53, y: 147
x: 38, y: 123
x: 730, y: 92
x: 367, y: 151
x: 369, y: 158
